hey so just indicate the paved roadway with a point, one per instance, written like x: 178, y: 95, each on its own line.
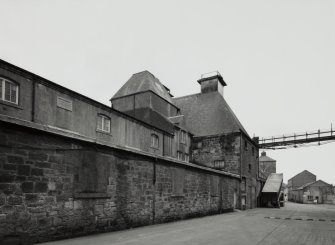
x: 293, y: 224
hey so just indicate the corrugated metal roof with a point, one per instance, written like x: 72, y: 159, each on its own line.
x: 273, y: 183
x: 208, y: 114
x: 143, y: 81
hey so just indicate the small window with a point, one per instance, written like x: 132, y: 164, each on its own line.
x: 9, y: 91
x: 249, y: 168
x: 253, y: 151
x: 245, y: 145
x: 183, y: 136
x: 154, y: 141
x: 187, y: 158
x: 180, y: 155
x: 219, y: 164
x: 104, y: 123
x: 310, y: 198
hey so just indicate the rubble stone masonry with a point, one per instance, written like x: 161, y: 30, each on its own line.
x: 54, y: 187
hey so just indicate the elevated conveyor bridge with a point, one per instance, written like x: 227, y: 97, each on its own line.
x: 298, y: 139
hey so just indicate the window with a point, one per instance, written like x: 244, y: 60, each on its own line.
x: 154, y: 141
x: 245, y: 145
x: 9, y: 91
x: 180, y: 155
x: 187, y: 158
x: 253, y: 151
x: 182, y: 136
x: 310, y: 198
x: 249, y: 168
x: 218, y: 164
x: 104, y: 123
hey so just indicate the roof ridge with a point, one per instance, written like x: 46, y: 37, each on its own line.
x: 190, y: 95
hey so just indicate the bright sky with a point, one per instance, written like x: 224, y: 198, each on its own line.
x: 278, y: 57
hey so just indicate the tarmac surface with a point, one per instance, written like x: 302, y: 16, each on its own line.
x: 293, y: 224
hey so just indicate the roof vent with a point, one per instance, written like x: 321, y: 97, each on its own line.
x: 212, y: 82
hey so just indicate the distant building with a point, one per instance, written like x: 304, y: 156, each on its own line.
x: 299, y: 180
x: 314, y: 192
x: 267, y: 165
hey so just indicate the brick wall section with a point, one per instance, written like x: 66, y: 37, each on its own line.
x: 72, y: 188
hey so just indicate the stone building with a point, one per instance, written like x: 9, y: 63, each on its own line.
x: 267, y: 165
x: 299, y: 180
x: 72, y: 166
x: 314, y: 192
x: 219, y: 139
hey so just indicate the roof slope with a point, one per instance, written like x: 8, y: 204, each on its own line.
x: 266, y: 159
x: 153, y: 118
x: 208, y: 114
x: 273, y: 183
x: 143, y: 81
x: 303, y: 172
x: 314, y: 183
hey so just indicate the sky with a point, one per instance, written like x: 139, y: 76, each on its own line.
x: 277, y: 57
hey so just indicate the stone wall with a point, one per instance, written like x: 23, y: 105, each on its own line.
x: 233, y: 153
x: 54, y: 187
x: 209, y: 150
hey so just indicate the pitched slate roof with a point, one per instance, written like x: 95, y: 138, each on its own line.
x: 273, y: 183
x: 208, y: 114
x: 313, y: 183
x: 305, y: 171
x: 304, y: 185
x: 153, y: 118
x: 266, y: 159
x: 141, y: 82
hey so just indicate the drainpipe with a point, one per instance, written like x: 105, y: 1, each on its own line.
x: 241, y: 143
x: 163, y: 150
x: 134, y: 106
x: 154, y: 191
x: 33, y: 99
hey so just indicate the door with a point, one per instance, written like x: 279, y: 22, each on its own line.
x: 235, y: 201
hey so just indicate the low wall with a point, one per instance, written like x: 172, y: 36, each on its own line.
x: 54, y: 187
x: 329, y: 199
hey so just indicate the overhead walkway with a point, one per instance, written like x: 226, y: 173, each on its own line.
x: 297, y: 139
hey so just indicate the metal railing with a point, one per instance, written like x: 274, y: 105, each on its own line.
x: 298, y: 138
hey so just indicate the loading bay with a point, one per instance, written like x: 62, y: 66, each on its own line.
x: 292, y: 224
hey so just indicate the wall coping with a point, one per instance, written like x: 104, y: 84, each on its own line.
x: 80, y: 137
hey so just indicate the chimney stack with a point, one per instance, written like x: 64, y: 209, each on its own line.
x: 212, y: 82
x: 263, y: 154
